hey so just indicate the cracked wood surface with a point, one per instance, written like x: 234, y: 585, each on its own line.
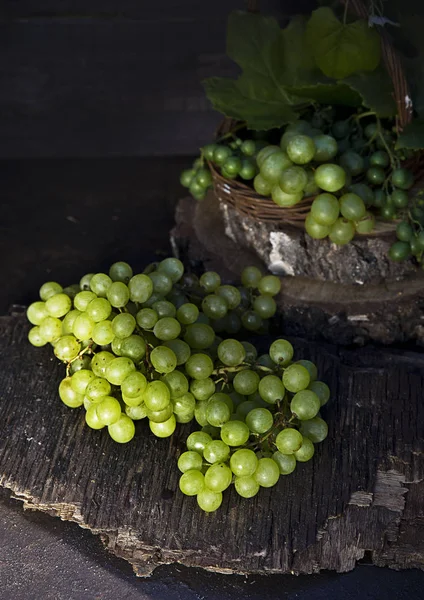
x: 361, y: 495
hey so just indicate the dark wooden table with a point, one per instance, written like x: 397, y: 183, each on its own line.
x: 360, y: 499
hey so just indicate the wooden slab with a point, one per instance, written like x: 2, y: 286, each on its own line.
x: 361, y: 495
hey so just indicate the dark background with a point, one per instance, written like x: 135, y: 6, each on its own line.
x: 100, y: 103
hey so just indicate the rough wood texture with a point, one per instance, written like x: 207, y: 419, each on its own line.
x: 389, y: 312
x: 362, y: 493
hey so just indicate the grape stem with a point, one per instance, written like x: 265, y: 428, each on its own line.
x: 88, y: 348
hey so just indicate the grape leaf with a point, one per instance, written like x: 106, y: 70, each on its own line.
x: 328, y: 93
x: 412, y: 136
x: 342, y: 49
x: 376, y: 90
x: 249, y: 99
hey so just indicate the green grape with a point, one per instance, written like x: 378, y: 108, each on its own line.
x: 204, y: 178
x: 97, y: 389
x: 342, y: 232
x: 322, y: 390
x: 262, y: 186
x: 187, y: 314
x: 68, y: 395
x: 199, y: 366
x: 380, y: 198
x: 82, y: 362
x: 192, y: 482
x: 162, y: 283
x: 50, y: 329
x: 177, y: 384
x: 388, y: 212
x: 103, y: 333
x: 199, y: 336
x: 71, y: 290
x: 325, y: 148
x: 420, y: 240
x: 293, y: 180
x: 67, y: 348
x: 99, y: 284
x: 57, y: 305
x: 123, y: 430
x: 246, y: 382
x: 216, y: 452
x: 160, y: 416
x: 136, y: 413
x: 248, y: 147
x: 108, y: 410
x: 269, y: 285
x: 36, y: 313
x: 180, y: 349
x: 271, y: 389
x: 235, y: 433
x: 172, y: 267
x: 80, y: 381
x: 305, y: 405
x: 301, y: 149
x: 35, y: 338
x: 281, y: 352
x: 133, y: 347
x: 251, y: 321
x: 376, y: 175
x: 325, y: 209
x: 217, y: 412
x: 134, y: 401
x: 265, y: 360
x: 231, y: 353
x: 118, y: 369
x: 244, y: 408
x: 380, y: 158
x: 272, y: 166
x: 197, y: 191
x: 364, y: 192
x: 214, y: 306
x: 286, y: 462
x: 260, y: 420
x: 251, y: 276
x: 146, y: 318
x: 167, y: 329
x: 83, y: 299
x: 265, y: 306
x: 311, y: 368
x: 49, y: 289
x: 184, y: 408
x: 197, y: 441
x: 306, y: 451
x: 315, y: 429
x: 163, y: 359
x: 267, y: 472
x: 83, y: 326
x: 208, y: 500
x: 285, y: 200
x: 330, y: 177
x: 118, y: 294
x: 244, y: 462
x: 120, y: 271
x: 400, y: 251
x: 157, y: 396
x: 402, y: 178
x: 289, y: 440
x: 220, y: 155
x: 140, y: 288
x: 352, y: 207
x: 340, y: 129
x: 210, y: 281
x: 84, y: 283
x: 92, y: 419
x: 248, y: 169
x: 366, y: 224
x: 202, y: 389
x: 232, y: 165
x: 296, y: 378
x: 99, y: 309
x: 311, y: 188
x: 371, y: 130
x: 165, y: 428
x: 189, y: 461
x: 123, y: 325
x: 230, y: 294
x: 251, y: 352
x: 100, y: 362
x: 352, y: 162
x: 218, y: 477
x: 400, y: 198
x: 246, y: 487
x: 208, y: 151
x: 314, y: 229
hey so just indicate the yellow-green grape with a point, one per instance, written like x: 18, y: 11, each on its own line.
x: 58, y: 305
x: 49, y: 289
x: 108, y: 410
x: 67, y: 348
x: 92, y: 419
x: 50, y: 329
x: 120, y: 271
x: 123, y: 430
x: 164, y: 429
x: 68, y: 395
x: 35, y: 338
x: 37, y: 312
x: 83, y: 299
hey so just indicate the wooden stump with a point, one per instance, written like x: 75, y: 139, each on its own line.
x: 362, y: 493
x: 389, y: 311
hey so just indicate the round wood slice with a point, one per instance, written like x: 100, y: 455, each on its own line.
x: 386, y: 310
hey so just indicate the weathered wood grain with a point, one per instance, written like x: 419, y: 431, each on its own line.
x: 361, y: 493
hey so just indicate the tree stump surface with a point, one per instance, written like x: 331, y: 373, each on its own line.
x: 385, y: 312
x: 362, y: 494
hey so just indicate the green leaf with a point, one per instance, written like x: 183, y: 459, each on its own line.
x: 412, y: 136
x: 338, y: 93
x: 249, y: 99
x: 376, y: 90
x: 342, y: 49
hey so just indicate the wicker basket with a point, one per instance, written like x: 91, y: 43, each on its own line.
x: 246, y: 201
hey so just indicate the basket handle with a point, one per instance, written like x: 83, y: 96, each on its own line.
x: 393, y: 65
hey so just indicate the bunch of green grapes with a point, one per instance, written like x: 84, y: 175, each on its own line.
x: 261, y: 420
x: 198, y: 179
x: 133, y: 343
